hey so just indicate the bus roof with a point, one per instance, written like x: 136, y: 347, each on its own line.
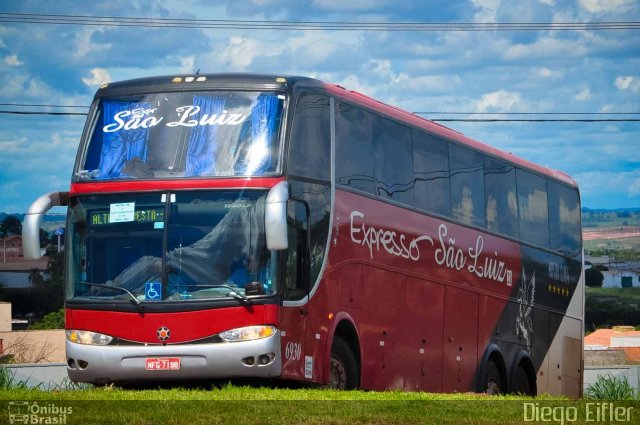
x: 240, y: 81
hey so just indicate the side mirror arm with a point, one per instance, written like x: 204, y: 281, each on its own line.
x: 33, y: 218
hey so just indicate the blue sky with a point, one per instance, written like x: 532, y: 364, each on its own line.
x: 546, y: 71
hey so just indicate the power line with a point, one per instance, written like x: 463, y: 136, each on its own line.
x: 531, y: 120
x: 487, y: 120
x: 524, y: 113
x: 43, y: 105
x: 44, y: 113
x: 50, y: 105
x: 433, y: 115
x: 596, y: 116
x: 123, y: 21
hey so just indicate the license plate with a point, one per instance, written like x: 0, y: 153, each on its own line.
x: 162, y: 363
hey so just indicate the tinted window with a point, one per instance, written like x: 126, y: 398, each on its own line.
x: 431, y: 173
x: 295, y: 273
x: 533, y: 208
x: 564, y: 218
x: 354, y: 150
x: 500, y: 197
x: 310, y: 146
x: 318, y: 199
x: 393, y: 160
x: 467, y: 187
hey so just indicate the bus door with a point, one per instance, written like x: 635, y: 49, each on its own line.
x: 294, y: 314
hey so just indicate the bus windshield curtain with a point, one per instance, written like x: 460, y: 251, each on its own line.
x: 263, y: 124
x: 121, y: 146
x: 201, y: 160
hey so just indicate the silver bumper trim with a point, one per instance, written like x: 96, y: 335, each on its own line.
x: 103, y: 364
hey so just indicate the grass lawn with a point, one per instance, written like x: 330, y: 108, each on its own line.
x: 250, y: 405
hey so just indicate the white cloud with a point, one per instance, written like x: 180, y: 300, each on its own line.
x: 187, y: 65
x: 13, y: 60
x: 384, y: 69
x: 488, y: 10
x: 85, y: 45
x: 545, y: 48
x: 548, y: 2
x: 241, y: 52
x: 584, y: 95
x: 498, y: 101
x: 350, y: 5
x: 634, y: 188
x: 628, y: 83
x: 599, y: 6
x: 98, y: 76
x: 545, y: 72
x: 21, y: 86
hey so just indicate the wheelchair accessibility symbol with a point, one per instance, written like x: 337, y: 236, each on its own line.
x: 153, y: 291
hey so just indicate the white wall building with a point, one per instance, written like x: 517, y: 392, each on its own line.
x: 621, y: 279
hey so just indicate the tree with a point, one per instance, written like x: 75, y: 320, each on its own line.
x: 44, y: 238
x: 10, y: 226
x: 593, y: 277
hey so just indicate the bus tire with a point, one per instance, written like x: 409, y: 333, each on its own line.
x: 493, y: 381
x: 521, y: 382
x: 344, y: 373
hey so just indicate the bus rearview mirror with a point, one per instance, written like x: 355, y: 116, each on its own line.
x: 275, y: 217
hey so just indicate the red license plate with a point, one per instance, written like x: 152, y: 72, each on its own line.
x: 162, y: 363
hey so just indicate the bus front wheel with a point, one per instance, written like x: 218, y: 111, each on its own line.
x: 343, y: 367
x: 493, y: 383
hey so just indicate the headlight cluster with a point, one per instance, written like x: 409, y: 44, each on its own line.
x: 88, y: 338
x: 247, y: 334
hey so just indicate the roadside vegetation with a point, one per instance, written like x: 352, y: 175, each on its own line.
x: 609, y: 387
x: 607, y: 307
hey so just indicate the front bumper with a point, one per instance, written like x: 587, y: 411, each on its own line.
x: 103, y: 364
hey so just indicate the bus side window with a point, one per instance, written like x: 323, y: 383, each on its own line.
x: 431, y: 173
x: 533, y: 209
x: 296, y: 275
x: 500, y: 197
x: 310, y: 145
x: 467, y: 186
x: 354, y: 148
x: 564, y: 218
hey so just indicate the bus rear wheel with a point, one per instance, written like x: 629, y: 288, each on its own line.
x: 522, y: 384
x: 344, y: 373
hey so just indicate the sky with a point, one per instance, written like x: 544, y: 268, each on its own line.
x: 485, y: 74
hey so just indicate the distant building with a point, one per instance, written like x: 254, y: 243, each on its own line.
x: 617, y: 346
x: 21, y: 273
x: 11, y: 249
x: 621, y: 279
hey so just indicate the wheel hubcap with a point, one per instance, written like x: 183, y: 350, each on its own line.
x: 337, y: 375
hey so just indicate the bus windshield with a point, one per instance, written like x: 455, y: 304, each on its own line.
x: 168, y: 247
x: 184, y: 134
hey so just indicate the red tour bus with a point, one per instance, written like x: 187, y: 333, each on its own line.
x: 265, y: 226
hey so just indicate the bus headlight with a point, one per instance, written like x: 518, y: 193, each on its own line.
x: 88, y: 338
x: 247, y: 334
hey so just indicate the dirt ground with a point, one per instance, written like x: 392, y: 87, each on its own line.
x: 589, y: 234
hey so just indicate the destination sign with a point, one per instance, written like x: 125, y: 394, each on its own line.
x: 142, y: 215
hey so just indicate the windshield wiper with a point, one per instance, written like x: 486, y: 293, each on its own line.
x: 237, y: 295
x: 233, y: 293
x: 134, y: 300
